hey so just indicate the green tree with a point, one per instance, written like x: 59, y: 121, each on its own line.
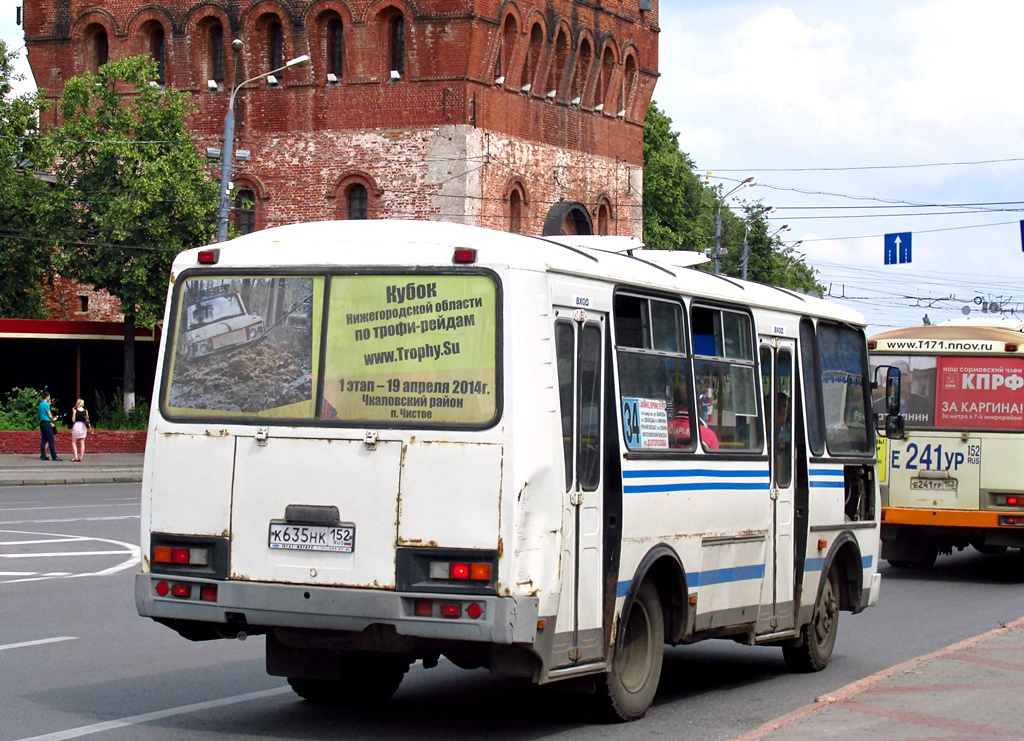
x: 675, y: 201
x: 133, y: 190
x: 680, y: 212
x: 25, y: 259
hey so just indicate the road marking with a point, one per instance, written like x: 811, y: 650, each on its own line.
x: 158, y: 715
x: 66, y: 520
x: 42, y: 541
x: 63, y: 506
x: 40, y: 642
x: 58, y: 554
x: 132, y: 554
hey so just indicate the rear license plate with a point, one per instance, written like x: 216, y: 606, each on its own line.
x: 933, y: 484
x: 336, y: 538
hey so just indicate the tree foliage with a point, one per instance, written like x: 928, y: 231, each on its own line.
x: 132, y: 189
x: 25, y: 261
x: 680, y: 212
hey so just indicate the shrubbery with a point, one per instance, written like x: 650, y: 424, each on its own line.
x: 20, y: 411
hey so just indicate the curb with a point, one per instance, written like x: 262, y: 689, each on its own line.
x: 110, y: 479
x: 855, y: 688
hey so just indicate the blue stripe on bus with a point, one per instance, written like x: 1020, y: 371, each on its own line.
x: 707, y: 486
x: 714, y: 576
x: 727, y: 479
x: 821, y: 478
x: 739, y: 573
x: 817, y: 564
x: 720, y: 473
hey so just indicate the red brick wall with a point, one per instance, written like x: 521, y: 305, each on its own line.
x: 444, y: 142
x: 98, y: 441
x: 63, y: 300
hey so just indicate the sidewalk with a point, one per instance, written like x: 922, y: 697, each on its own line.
x: 970, y: 690
x: 99, y: 468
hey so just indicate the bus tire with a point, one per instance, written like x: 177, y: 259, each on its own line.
x: 818, y: 636
x: 632, y: 682
x: 368, y: 679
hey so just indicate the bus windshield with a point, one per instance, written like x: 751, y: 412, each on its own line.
x: 350, y: 349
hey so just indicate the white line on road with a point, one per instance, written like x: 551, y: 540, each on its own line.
x: 62, y: 553
x: 43, y: 542
x: 158, y: 715
x: 40, y: 642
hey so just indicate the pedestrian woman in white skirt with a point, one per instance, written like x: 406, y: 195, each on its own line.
x: 80, y: 428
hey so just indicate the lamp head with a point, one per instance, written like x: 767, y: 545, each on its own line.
x: 237, y: 45
x: 302, y: 61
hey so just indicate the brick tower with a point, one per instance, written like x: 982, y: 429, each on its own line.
x: 517, y: 115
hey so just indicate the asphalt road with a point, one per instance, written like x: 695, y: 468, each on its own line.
x: 77, y: 662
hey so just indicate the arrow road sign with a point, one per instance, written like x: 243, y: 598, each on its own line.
x: 897, y: 248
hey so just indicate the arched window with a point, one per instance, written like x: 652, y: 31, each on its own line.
x: 97, y: 46
x: 245, y: 211
x: 582, y: 71
x: 396, y: 43
x: 158, y: 50
x: 356, y: 199
x: 275, y: 45
x: 604, y: 217
x: 215, y: 51
x: 557, y: 68
x: 515, y: 210
x: 605, y: 80
x: 628, y: 78
x: 509, y: 32
x: 533, y: 55
x: 335, y: 47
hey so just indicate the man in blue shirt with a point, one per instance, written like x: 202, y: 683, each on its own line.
x: 46, y: 428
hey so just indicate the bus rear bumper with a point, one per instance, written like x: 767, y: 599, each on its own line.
x: 259, y: 606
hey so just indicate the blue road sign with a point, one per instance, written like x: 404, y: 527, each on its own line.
x: 897, y: 248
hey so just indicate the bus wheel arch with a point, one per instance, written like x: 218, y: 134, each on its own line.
x: 840, y: 588
x: 652, y: 612
x: 663, y: 567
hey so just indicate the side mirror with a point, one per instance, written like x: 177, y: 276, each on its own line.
x: 892, y: 391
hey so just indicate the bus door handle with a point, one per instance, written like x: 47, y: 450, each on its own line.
x: 576, y: 497
x: 262, y: 433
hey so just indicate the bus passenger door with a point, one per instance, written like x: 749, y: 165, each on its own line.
x: 579, y: 342
x: 781, y: 451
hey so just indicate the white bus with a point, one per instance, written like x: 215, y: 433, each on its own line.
x: 485, y: 446
x: 956, y: 477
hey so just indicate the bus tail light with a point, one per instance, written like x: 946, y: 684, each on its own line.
x: 464, y: 256
x: 447, y: 570
x: 181, y: 556
x: 183, y: 590
x: 1011, y: 520
x: 460, y: 571
x: 189, y: 555
x: 209, y: 257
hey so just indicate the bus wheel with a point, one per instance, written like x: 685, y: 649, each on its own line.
x: 819, y: 636
x: 630, y: 686
x: 367, y: 679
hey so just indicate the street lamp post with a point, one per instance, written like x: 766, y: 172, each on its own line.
x: 227, y: 153
x: 718, y: 220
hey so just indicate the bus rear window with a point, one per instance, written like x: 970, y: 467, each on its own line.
x: 390, y: 350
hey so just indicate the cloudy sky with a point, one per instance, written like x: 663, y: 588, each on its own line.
x: 857, y: 120
x: 860, y: 120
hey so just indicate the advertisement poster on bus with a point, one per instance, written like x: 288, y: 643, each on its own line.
x: 979, y: 392
x: 410, y: 349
